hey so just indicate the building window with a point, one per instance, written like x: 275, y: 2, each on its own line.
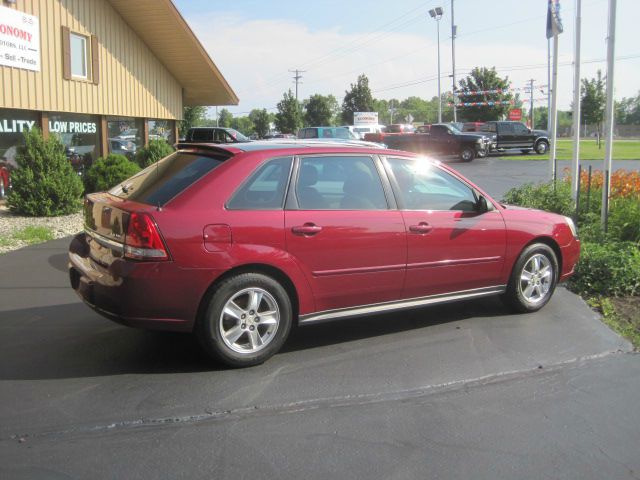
x: 78, y: 46
x: 125, y: 136
x: 80, y: 56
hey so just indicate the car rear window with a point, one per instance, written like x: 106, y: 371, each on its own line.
x: 162, y: 181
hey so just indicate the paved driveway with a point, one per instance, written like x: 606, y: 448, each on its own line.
x: 455, y: 391
x: 466, y: 390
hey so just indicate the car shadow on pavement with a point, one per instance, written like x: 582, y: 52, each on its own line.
x: 70, y: 341
x: 348, y: 330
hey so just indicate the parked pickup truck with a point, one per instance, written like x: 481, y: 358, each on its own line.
x: 442, y: 139
x: 516, y: 135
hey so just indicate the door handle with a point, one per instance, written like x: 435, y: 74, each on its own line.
x: 421, y: 228
x: 306, y: 229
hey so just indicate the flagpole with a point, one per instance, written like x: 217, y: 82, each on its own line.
x: 609, y: 117
x: 576, y: 105
x: 554, y: 110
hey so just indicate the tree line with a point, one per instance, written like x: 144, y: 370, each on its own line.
x: 325, y: 110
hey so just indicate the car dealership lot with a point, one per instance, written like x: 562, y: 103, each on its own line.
x: 452, y: 391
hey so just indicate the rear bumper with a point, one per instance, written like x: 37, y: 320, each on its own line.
x: 150, y: 295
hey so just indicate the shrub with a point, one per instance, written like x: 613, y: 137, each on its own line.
x: 610, y: 269
x: 624, y: 219
x: 44, y: 184
x: 153, y: 152
x: 543, y: 196
x: 108, y: 172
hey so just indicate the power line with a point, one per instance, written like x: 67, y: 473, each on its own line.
x: 296, y: 79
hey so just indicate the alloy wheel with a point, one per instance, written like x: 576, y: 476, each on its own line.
x: 536, y: 278
x: 249, y: 320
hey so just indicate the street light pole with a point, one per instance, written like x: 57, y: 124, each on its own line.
x: 454, y: 31
x: 436, y: 14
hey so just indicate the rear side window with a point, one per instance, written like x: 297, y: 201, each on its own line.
x: 201, y: 135
x: 162, y: 181
x: 265, y: 188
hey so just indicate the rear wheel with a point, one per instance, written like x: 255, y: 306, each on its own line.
x: 541, y: 147
x: 467, y: 154
x: 247, y: 321
x: 533, y: 279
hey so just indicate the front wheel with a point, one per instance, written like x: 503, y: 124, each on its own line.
x: 467, y: 154
x: 533, y: 279
x: 247, y: 321
x: 541, y: 147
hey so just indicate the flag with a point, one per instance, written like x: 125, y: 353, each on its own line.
x: 554, y: 24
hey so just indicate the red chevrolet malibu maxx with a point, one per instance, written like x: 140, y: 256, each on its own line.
x: 236, y: 243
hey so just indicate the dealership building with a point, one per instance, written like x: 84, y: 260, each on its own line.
x: 104, y: 75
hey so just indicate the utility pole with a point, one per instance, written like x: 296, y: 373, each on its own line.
x: 531, y: 117
x: 454, y: 31
x: 296, y: 78
x: 609, y: 116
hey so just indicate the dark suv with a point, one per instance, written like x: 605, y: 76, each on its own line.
x: 516, y: 135
x: 214, y: 135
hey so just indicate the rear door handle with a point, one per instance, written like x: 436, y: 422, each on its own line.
x: 306, y: 229
x: 421, y: 228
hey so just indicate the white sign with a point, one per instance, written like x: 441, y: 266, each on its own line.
x: 15, y: 126
x: 365, y: 118
x: 19, y: 39
x: 72, y: 127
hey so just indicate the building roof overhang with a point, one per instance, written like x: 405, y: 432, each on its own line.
x: 163, y: 29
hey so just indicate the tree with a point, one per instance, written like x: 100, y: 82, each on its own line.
x: 484, y: 79
x: 320, y: 110
x: 358, y: 99
x: 289, y: 116
x: 45, y: 183
x: 261, y: 122
x: 592, y: 102
x: 628, y: 111
x: 243, y: 125
x: 225, y: 118
x: 191, y: 117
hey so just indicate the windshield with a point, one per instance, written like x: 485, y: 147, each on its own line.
x: 454, y: 129
x: 237, y: 135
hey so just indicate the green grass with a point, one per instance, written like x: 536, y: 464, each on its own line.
x: 622, y: 150
x: 29, y: 235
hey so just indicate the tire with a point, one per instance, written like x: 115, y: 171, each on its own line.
x: 236, y: 329
x: 2, y: 189
x: 467, y: 154
x: 533, y: 279
x: 541, y: 147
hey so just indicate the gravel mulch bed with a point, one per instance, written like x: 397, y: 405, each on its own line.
x: 60, y: 226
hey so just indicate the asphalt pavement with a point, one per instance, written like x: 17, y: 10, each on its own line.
x: 456, y: 391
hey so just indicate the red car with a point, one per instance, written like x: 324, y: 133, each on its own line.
x: 237, y: 243
x: 5, y: 178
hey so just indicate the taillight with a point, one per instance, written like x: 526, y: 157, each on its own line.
x: 143, y: 241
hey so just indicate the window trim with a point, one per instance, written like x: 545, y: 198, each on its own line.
x: 91, y: 57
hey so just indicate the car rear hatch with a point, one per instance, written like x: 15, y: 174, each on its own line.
x: 123, y: 222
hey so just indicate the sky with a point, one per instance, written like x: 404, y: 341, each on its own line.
x: 256, y: 43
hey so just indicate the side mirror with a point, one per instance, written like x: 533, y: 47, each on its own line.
x: 481, y: 205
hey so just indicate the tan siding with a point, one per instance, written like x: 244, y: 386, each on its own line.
x: 133, y: 82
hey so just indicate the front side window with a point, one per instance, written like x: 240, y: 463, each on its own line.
x: 424, y: 186
x: 265, y: 188
x: 79, y: 56
x: 339, y: 183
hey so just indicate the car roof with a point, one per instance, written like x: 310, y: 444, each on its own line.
x: 290, y: 144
